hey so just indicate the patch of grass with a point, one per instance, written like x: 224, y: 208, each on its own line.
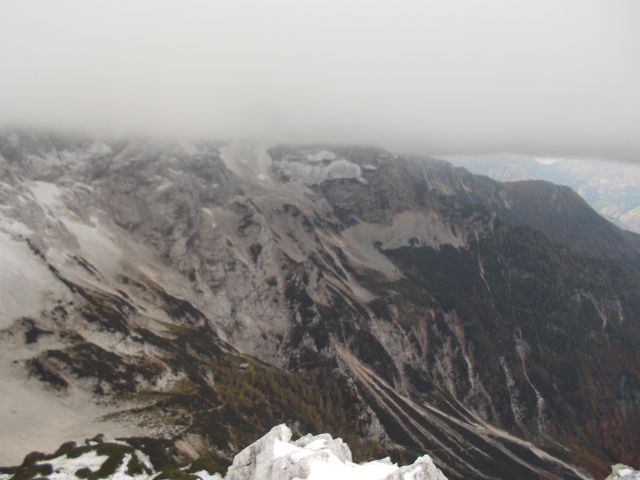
x: 135, y: 466
x: 207, y: 464
x: 172, y: 472
x: 115, y: 455
x: 44, y: 469
x: 83, y: 473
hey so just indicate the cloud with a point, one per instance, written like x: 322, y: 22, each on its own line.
x: 545, y: 77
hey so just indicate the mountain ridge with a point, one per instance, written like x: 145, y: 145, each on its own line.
x: 611, y: 188
x: 322, y: 262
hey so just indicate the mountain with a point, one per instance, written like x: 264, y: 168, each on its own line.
x: 611, y: 188
x: 194, y: 295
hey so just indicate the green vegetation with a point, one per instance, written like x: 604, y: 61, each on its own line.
x: 314, y: 401
x: 244, y: 403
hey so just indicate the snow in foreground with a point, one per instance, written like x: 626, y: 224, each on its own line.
x: 276, y: 457
x: 273, y: 457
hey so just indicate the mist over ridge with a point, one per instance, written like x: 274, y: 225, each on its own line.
x: 547, y: 78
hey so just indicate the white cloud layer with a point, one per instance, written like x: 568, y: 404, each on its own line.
x: 547, y: 77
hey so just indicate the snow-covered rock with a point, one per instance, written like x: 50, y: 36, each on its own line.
x: 316, y: 173
x: 320, y: 457
x: 622, y: 472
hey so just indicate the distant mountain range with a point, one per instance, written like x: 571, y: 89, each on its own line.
x: 611, y: 188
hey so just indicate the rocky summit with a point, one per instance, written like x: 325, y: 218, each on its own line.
x: 187, y: 297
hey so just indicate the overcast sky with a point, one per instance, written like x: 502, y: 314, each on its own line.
x: 546, y: 77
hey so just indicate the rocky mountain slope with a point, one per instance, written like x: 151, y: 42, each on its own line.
x: 198, y: 294
x: 612, y: 189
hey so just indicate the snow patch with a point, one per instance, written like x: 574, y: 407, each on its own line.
x: 247, y: 160
x: 164, y: 184
x: 315, y: 173
x: 514, y: 396
x: 522, y: 349
x: 321, y: 156
x: 65, y: 467
x: 94, y: 242
x: 33, y: 418
x: 406, y: 228
x: 548, y: 160
x: 14, y: 227
x: 46, y: 194
x: 24, y: 281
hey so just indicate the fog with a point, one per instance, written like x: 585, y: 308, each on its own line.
x: 542, y: 77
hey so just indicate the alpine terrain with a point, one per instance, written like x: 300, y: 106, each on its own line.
x: 612, y: 189
x: 185, y: 298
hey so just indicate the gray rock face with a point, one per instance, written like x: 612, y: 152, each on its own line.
x: 422, y: 285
